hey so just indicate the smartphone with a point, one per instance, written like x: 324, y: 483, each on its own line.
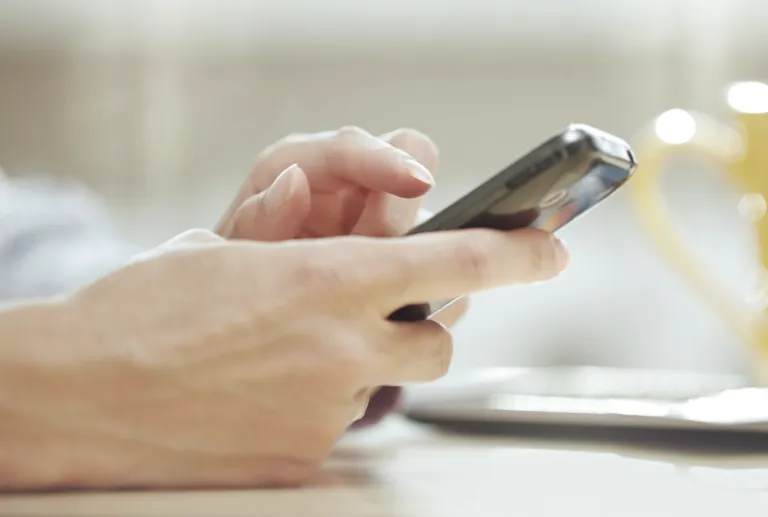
x: 551, y: 186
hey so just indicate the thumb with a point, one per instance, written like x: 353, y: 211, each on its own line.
x: 276, y: 214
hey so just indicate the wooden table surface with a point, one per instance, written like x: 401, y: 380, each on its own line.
x: 403, y: 470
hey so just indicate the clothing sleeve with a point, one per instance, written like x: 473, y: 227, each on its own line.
x: 54, y: 237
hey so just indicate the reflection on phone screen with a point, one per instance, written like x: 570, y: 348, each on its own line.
x: 600, y: 181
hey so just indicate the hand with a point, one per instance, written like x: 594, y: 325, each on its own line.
x: 213, y: 363
x: 350, y: 186
x: 280, y: 201
x: 333, y: 183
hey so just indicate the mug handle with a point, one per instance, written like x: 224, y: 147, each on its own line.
x: 718, y: 142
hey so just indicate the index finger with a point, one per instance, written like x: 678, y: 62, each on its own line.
x: 334, y: 159
x: 386, y: 215
x: 351, y: 155
x: 448, y: 264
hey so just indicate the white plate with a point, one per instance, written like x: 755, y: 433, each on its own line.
x: 603, y: 397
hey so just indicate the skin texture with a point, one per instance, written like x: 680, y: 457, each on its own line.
x: 338, y: 183
x: 189, y: 367
x: 356, y: 183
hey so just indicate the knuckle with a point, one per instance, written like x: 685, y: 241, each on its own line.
x: 343, y: 151
x: 288, y: 140
x: 414, y: 137
x: 351, y: 132
x: 408, y: 132
x: 292, y: 139
x: 198, y: 234
x: 267, y: 153
x: 195, y: 236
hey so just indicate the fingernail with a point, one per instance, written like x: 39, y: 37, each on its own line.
x: 561, y: 252
x: 418, y: 171
x: 282, y: 190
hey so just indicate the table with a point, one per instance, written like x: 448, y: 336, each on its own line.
x: 404, y: 470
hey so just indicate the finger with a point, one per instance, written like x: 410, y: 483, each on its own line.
x: 353, y: 156
x: 416, y: 144
x: 444, y: 265
x: 275, y: 214
x: 381, y: 401
x: 194, y: 237
x: 386, y: 215
x: 330, y: 159
x: 415, y: 352
x: 452, y: 313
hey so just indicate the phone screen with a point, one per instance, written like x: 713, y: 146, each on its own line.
x: 560, y: 208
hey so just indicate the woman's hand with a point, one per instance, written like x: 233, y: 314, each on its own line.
x: 333, y: 183
x: 214, y: 363
x: 280, y: 201
x: 337, y: 183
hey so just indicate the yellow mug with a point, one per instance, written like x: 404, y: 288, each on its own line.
x: 740, y: 148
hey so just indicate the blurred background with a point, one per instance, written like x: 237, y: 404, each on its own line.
x: 160, y: 106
